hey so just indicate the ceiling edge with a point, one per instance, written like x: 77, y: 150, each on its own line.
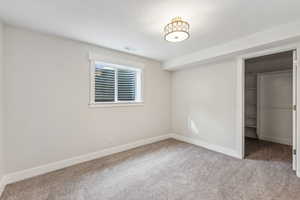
x: 270, y: 38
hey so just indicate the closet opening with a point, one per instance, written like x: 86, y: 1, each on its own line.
x: 268, y: 107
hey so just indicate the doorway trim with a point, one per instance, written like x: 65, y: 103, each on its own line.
x: 240, y: 95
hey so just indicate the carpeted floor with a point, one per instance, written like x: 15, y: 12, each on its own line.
x: 170, y: 170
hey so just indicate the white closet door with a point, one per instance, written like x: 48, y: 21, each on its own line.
x: 275, y: 118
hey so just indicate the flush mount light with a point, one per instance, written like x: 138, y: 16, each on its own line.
x: 177, y: 30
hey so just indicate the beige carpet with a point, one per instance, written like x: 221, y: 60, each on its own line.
x: 170, y: 170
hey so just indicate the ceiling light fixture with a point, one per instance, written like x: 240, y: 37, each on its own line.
x: 177, y: 30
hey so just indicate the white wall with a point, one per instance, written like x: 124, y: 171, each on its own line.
x: 48, y: 118
x: 1, y: 105
x: 204, y: 103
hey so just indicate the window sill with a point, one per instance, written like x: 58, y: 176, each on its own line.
x: 117, y: 104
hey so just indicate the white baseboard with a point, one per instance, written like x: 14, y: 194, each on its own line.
x: 2, y: 185
x: 213, y: 147
x: 29, y: 173
x: 276, y: 140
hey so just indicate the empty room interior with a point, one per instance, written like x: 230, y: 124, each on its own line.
x: 149, y: 100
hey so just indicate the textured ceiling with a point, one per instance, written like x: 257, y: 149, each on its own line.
x: 135, y: 26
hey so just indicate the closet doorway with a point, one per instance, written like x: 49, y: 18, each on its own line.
x: 269, y: 103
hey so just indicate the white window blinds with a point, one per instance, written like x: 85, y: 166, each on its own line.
x: 104, y: 84
x: 113, y: 84
x: 126, y: 85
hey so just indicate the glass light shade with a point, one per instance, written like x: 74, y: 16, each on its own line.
x: 177, y: 30
x: 177, y: 36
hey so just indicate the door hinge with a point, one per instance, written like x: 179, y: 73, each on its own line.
x: 294, y: 107
x: 294, y: 151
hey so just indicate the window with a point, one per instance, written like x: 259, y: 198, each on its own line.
x: 115, y: 84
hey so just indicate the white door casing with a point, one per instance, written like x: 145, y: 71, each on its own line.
x: 295, y: 67
x: 240, y: 136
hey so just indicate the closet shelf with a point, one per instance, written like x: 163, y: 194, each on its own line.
x: 253, y: 89
x: 251, y: 73
x: 251, y: 117
x: 250, y: 126
x: 251, y: 104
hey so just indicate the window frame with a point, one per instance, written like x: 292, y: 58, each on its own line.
x: 139, y: 86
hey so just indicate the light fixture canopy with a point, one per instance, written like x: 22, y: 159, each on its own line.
x: 177, y: 30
